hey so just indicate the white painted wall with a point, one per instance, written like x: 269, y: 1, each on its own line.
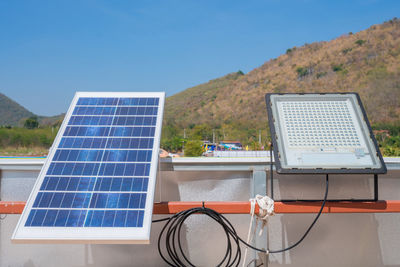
x: 336, y: 239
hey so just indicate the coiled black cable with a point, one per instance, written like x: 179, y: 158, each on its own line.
x: 171, y: 232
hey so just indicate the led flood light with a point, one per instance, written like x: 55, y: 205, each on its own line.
x: 322, y: 134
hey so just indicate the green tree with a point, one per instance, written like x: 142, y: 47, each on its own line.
x: 173, y: 144
x: 31, y: 123
x: 321, y: 74
x: 193, y: 148
x: 360, y: 42
x: 201, y: 132
x: 255, y: 146
x: 336, y: 68
x: 302, y: 72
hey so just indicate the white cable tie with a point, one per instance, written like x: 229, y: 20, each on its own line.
x: 265, y: 210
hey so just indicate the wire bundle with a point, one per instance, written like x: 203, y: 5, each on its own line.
x: 171, y: 232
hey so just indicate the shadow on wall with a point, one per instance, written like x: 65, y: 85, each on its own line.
x: 328, y: 242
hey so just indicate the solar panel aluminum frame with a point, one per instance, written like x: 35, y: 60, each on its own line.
x: 276, y: 146
x: 93, y: 235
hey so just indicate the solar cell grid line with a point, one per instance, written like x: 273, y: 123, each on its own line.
x: 91, y: 197
x: 97, y: 185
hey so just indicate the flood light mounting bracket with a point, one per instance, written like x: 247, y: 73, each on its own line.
x: 271, y: 168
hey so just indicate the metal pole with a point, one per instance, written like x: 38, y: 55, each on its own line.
x: 213, y: 136
x: 183, y: 142
x: 376, y: 187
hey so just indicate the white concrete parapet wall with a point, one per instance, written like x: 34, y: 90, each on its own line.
x: 336, y: 239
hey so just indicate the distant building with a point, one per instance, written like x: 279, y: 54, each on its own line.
x: 231, y: 145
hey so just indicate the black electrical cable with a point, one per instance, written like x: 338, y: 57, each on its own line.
x: 171, y: 232
x: 312, y: 224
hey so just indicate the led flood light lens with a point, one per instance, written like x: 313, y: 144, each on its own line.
x: 322, y: 133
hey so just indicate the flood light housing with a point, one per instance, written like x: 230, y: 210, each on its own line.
x: 322, y: 134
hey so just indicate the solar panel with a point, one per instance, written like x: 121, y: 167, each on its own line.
x: 97, y: 184
x: 322, y: 133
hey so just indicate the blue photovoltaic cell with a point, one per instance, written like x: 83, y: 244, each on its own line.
x: 80, y: 142
x: 143, y: 131
x: 110, y: 120
x: 99, y: 173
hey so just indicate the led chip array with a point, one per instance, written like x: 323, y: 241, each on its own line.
x: 319, y: 124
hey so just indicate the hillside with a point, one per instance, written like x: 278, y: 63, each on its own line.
x: 53, y: 120
x: 180, y: 105
x: 367, y: 62
x: 11, y: 113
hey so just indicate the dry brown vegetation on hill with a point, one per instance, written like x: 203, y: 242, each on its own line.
x: 367, y: 62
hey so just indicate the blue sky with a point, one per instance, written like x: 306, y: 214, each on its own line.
x: 50, y: 49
